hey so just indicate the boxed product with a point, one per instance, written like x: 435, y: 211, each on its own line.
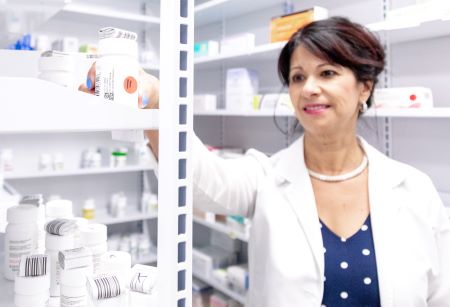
x: 206, y: 259
x: 206, y: 48
x: 282, y: 28
x: 205, y: 102
x: 403, y: 97
x: 241, y: 86
x: 237, y: 43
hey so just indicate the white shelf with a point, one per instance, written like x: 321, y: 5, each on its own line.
x: 74, y: 8
x: 130, y: 216
x: 225, y: 290
x: 232, y: 233
x: 216, y: 10
x: 34, y: 106
x: 77, y: 172
x: 259, y: 53
x: 425, y: 30
x: 394, y: 113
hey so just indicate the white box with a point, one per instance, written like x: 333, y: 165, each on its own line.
x: 206, y: 48
x: 241, y: 86
x: 206, y: 102
x: 403, y: 97
x: 237, y: 43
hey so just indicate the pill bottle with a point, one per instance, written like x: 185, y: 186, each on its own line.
x: 117, y: 72
x: 20, y: 237
x: 57, y: 67
x: 73, y: 286
x: 94, y: 237
x: 54, y: 244
x: 117, y: 67
x: 31, y: 291
x: 118, y: 262
x: 58, y: 208
x: 89, y: 209
x: 37, y: 200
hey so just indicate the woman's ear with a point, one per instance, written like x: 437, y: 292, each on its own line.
x: 366, y: 90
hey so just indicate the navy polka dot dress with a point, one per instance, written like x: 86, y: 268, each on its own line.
x: 350, y: 269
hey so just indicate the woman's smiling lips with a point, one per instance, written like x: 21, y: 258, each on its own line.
x: 315, y: 108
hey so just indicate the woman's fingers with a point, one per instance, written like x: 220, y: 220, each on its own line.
x: 89, y: 85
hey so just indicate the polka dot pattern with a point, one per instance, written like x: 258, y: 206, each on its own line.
x: 350, y: 268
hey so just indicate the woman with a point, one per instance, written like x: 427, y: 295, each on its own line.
x: 335, y: 222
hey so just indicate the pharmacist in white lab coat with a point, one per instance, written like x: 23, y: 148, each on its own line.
x: 335, y: 222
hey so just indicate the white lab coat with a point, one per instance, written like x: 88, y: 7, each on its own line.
x: 411, y: 230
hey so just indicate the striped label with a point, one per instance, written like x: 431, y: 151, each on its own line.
x: 34, y: 265
x: 107, y: 286
x: 60, y: 227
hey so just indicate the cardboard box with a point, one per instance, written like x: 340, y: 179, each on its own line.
x: 282, y: 28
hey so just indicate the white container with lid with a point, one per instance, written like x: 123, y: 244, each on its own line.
x: 20, y: 237
x: 38, y: 201
x: 117, y: 72
x: 57, y: 67
x: 31, y: 291
x: 58, y: 208
x: 73, y: 286
x: 54, y: 244
x: 107, y: 290
x: 116, y: 261
x: 94, y: 237
x: 81, y: 223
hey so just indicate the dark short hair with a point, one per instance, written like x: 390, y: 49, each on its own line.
x: 340, y: 41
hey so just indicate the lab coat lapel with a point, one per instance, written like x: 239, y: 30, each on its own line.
x: 384, y: 176
x: 300, y: 196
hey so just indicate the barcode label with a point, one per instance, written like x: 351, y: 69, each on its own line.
x: 144, y: 279
x: 105, y: 286
x: 34, y: 265
x: 110, y: 32
x: 61, y: 227
x: 97, y: 82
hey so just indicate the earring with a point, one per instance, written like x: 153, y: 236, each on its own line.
x: 363, y: 107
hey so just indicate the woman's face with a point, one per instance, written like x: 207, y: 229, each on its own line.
x: 326, y: 96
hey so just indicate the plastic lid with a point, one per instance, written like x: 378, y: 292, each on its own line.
x: 59, y: 208
x: 22, y: 214
x: 75, y: 277
x: 54, y: 60
x: 115, y: 260
x: 118, y: 46
x: 58, y: 243
x: 93, y: 234
x: 31, y: 285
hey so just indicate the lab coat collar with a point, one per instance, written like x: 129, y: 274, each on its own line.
x: 384, y: 175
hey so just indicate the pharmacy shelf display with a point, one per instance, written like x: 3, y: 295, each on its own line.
x: 77, y: 172
x: 223, y: 228
x: 107, y: 12
x: 224, y: 289
x: 131, y: 215
x: 34, y: 106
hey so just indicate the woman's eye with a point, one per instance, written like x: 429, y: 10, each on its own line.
x: 297, y: 78
x: 328, y: 73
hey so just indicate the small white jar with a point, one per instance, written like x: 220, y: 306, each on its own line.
x: 20, y: 237
x: 54, y: 244
x: 94, y: 237
x: 31, y: 291
x: 57, y: 67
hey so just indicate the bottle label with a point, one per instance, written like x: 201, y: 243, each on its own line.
x: 105, y: 286
x: 17, y: 249
x: 34, y: 265
x: 73, y: 301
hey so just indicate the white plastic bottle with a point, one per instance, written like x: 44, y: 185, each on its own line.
x: 76, y: 267
x: 117, y: 72
x: 38, y: 201
x: 31, y: 291
x: 57, y: 67
x: 57, y: 209
x: 94, y: 237
x: 20, y: 237
x: 54, y: 243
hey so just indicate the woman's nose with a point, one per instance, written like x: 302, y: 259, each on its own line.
x: 310, y: 87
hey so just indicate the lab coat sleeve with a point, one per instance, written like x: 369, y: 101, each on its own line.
x: 223, y: 186
x: 439, y: 293
x: 226, y: 186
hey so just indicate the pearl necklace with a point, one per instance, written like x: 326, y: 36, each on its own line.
x: 335, y: 178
